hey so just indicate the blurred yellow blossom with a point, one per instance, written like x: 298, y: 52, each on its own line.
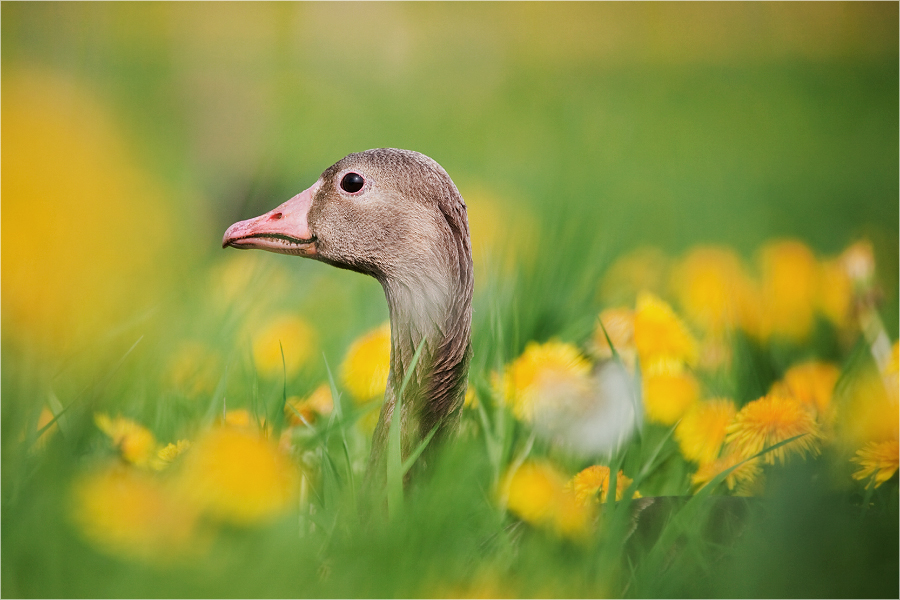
x: 364, y: 371
x: 642, y: 269
x: 167, y: 455
x: 701, y: 432
x: 710, y: 283
x: 740, y: 479
x: 194, y: 368
x: 811, y: 383
x: 669, y: 391
x: 471, y: 398
x: 133, y: 441
x: 130, y: 513
x: 789, y: 278
x: 536, y: 492
x: 287, y: 333
x: 880, y: 459
x: 238, y: 476
x: 835, y: 294
x: 772, y: 419
x: 660, y: 334
x: 542, y: 368
x: 868, y: 411
x: 619, y: 325
x: 305, y: 411
x: 591, y: 485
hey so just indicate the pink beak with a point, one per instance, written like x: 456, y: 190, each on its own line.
x: 284, y: 230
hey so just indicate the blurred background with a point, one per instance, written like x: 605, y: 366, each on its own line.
x: 135, y: 133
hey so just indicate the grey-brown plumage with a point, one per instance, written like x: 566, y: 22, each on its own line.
x: 407, y: 227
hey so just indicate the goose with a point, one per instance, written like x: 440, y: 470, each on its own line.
x: 397, y: 216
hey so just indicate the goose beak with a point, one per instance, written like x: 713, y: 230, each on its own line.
x: 284, y: 230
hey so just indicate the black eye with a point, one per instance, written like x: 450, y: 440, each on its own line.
x: 352, y: 182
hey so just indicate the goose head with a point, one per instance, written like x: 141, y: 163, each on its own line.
x: 397, y: 216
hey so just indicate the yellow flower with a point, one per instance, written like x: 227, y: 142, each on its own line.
x: 835, y: 293
x: 880, y: 459
x: 619, y: 324
x: 741, y: 478
x: 364, y: 371
x: 133, y: 441
x: 194, y: 369
x: 770, y: 420
x: 238, y: 477
x: 129, y: 513
x: 789, y: 288
x: 471, y: 398
x: 305, y: 411
x: 166, y: 456
x: 710, y: 283
x: 540, y: 369
x: 669, y: 391
x: 701, y: 432
x: 536, y: 493
x: 811, y: 383
x: 591, y: 485
x: 660, y: 334
x: 284, y: 332
x: 868, y: 411
x: 641, y: 269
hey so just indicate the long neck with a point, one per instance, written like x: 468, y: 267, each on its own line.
x: 431, y: 307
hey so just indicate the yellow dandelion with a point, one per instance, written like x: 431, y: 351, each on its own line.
x: 741, y: 478
x: 364, y: 371
x: 287, y: 333
x: 709, y: 284
x: 835, y: 293
x: 536, y: 492
x: 305, y: 411
x: 770, y: 420
x: 641, y: 269
x: 591, y: 485
x: 619, y: 325
x: 540, y: 369
x: 878, y: 459
x: 166, y: 456
x: 669, y: 391
x: 133, y: 441
x: 238, y: 477
x: 868, y: 412
x: 789, y: 288
x: 701, y: 432
x: 811, y: 383
x: 660, y: 334
x: 194, y: 369
x: 129, y: 513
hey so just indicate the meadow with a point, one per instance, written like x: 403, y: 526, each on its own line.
x: 704, y: 193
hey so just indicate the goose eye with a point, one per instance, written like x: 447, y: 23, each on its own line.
x: 352, y: 182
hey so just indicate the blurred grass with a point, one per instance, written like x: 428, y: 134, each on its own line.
x: 576, y: 132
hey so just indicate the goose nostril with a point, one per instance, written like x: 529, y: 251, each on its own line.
x: 276, y: 217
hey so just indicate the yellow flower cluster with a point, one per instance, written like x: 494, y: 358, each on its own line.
x: 591, y: 485
x: 366, y: 365
x: 282, y: 345
x: 537, y: 493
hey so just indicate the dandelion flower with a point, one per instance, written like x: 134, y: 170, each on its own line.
x: 660, y: 334
x: 591, y: 485
x: 133, y: 441
x: 811, y: 383
x: 305, y: 411
x: 536, y: 493
x: 364, y: 371
x: 701, y: 432
x: 541, y: 370
x: 709, y: 284
x: 669, y: 391
x: 868, y: 412
x: 238, y: 477
x: 286, y: 336
x: 129, y: 513
x: 835, y: 294
x: 770, y: 420
x: 878, y: 459
x: 166, y: 456
x: 789, y: 288
x: 741, y: 478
